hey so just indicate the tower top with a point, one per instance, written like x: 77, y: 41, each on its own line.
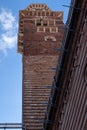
x: 38, y: 23
x: 34, y: 7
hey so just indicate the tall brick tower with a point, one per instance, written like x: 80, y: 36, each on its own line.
x: 38, y: 38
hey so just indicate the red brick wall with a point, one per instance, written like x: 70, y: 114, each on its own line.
x: 37, y: 81
x: 39, y: 62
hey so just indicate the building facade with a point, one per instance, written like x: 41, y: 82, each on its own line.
x: 68, y: 109
x: 39, y: 38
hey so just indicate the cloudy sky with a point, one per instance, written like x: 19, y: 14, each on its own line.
x: 10, y: 60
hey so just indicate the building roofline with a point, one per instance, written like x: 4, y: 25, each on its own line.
x: 62, y: 65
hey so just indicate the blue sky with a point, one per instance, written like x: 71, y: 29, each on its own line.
x: 10, y: 60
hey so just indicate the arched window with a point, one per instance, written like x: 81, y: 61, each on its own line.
x: 50, y: 38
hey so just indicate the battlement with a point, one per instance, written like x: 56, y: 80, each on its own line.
x: 37, y: 19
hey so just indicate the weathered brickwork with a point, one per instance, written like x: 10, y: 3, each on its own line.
x: 40, y: 35
x: 37, y: 83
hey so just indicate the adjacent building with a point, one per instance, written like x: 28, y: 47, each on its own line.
x: 67, y: 108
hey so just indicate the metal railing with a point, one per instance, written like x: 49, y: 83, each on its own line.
x: 12, y: 126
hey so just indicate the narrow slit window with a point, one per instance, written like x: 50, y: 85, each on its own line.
x: 45, y: 23
x: 38, y: 22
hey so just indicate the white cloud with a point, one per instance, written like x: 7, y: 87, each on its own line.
x: 8, y: 30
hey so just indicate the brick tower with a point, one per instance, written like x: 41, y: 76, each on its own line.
x: 38, y: 38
